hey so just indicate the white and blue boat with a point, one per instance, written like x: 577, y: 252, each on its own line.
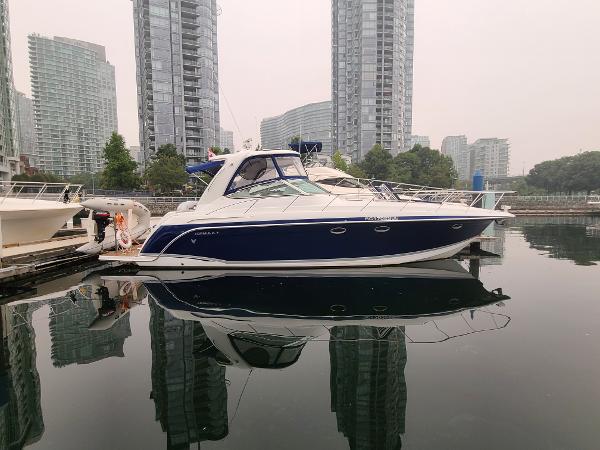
x: 260, y: 210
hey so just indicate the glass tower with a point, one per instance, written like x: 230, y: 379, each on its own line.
x: 177, y: 75
x: 371, y: 74
x: 74, y: 104
x: 8, y: 137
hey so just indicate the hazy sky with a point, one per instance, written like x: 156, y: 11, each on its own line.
x: 525, y: 70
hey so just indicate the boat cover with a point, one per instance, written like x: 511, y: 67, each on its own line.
x: 209, y: 167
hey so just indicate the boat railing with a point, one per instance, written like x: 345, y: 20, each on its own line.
x: 410, y: 193
x: 34, y: 191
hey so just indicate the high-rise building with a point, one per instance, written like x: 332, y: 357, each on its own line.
x: 227, y: 140
x: 73, y: 340
x: 456, y: 147
x: 26, y: 128
x: 408, y: 71
x: 423, y: 141
x: 9, y: 150
x: 310, y: 122
x: 491, y: 156
x: 136, y: 154
x: 74, y: 104
x: 21, y: 420
x: 188, y: 385
x: 372, y: 42
x: 177, y: 75
x: 368, y: 388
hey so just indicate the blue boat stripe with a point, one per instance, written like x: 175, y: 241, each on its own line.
x: 332, y: 220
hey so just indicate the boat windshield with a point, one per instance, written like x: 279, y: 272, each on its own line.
x: 272, y: 175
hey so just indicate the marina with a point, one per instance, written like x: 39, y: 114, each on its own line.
x: 407, y: 356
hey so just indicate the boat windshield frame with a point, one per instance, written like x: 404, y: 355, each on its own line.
x: 281, y: 175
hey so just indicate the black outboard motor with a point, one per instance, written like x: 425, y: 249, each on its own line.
x: 102, y: 219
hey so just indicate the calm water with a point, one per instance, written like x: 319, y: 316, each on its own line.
x: 502, y: 354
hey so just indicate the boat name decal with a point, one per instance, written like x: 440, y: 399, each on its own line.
x: 382, y: 218
x: 206, y: 233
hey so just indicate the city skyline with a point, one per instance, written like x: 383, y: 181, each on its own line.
x: 518, y: 85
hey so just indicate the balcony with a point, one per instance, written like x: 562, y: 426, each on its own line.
x: 189, y: 11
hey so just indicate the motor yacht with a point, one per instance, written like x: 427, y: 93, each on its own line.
x: 261, y: 210
x: 32, y: 212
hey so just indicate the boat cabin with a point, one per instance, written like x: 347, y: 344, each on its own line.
x: 252, y: 174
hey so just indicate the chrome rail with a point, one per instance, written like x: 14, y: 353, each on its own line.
x: 34, y: 191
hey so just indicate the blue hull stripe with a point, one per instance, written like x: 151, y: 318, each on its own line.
x: 314, y: 240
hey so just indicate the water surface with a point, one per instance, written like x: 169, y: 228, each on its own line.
x: 499, y: 353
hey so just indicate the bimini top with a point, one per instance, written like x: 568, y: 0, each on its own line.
x: 210, y: 167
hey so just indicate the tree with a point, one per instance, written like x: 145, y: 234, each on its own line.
x: 422, y: 165
x: 120, y: 169
x: 356, y: 171
x: 40, y: 177
x: 217, y: 150
x: 295, y: 140
x: 377, y: 163
x: 579, y: 173
x: 166, y: 171
x: 338, y: 162
x: 88, y: 180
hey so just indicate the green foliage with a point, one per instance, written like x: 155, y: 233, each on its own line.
x: 40, y: 177
x: 356, y: 171
x: 579, y: 173
x: 295, y: 140
x: 120, y: 170
x: 338, y: 162
x: 166, y: 171
x: 421, y: 165
x: 226, y: 151
x: 217, y: 150
x: 88, y: 180
x: 378, y: 164
x: 425, y: 166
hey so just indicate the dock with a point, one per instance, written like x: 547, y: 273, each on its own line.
x: 37, y: 259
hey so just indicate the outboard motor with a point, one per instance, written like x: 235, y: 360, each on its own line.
x: 102, y: 219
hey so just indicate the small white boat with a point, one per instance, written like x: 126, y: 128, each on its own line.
x: 262, y: 211
x: 114, y: 223
x: 31, y: 212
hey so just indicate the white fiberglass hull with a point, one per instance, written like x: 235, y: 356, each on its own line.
x: 24, y: 221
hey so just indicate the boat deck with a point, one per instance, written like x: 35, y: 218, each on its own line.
x: 134, y: 250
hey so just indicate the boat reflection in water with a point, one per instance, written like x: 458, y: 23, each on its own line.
x: 201, y: 323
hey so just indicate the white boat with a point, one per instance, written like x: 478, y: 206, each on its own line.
x: 262, y: 211
x: 107, y: 233
x: 31, y: 212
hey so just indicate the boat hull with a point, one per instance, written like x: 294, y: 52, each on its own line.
x: 34, y: 222
x: 287, y: 244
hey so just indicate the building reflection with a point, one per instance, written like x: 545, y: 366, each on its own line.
x: 188, y: 385
x: 368, y: 389
x: 78, y: 335
x: 21, y: 421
